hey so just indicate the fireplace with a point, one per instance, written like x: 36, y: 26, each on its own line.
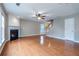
x: 13, y: 34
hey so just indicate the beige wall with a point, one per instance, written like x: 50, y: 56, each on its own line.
x: 29, y: 28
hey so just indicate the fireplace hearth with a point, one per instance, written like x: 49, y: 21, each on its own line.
x: 13, y: 34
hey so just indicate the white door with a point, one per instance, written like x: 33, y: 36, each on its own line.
x: 69, y: 29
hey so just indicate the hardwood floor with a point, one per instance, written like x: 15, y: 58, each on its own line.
x: 30, y: 46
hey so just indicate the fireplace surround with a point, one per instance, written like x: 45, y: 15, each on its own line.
x: 13, y: 34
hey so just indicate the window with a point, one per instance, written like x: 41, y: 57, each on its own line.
x: 42, y: 29
x: 2, y: 29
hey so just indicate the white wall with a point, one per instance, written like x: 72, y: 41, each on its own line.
x: 29, y: 28
x: 13, y: 23
x: 58, y: 29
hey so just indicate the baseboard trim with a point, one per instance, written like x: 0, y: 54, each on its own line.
x: 30, y: 35
x: 2, y: 46
x: 75, y: 41
x: 55, y: 37
x: 62, y: 38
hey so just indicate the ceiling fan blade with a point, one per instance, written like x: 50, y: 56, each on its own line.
x: 42, y: 12
x: 43, y: 16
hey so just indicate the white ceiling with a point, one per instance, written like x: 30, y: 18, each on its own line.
x: 53, y: 10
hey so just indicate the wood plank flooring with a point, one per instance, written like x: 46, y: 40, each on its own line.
x: 30, y: 46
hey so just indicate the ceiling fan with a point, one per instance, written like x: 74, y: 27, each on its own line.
x: 39, y: 15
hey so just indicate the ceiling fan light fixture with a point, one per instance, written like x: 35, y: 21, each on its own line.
x: 40, y: 12
x: 39, y: 18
